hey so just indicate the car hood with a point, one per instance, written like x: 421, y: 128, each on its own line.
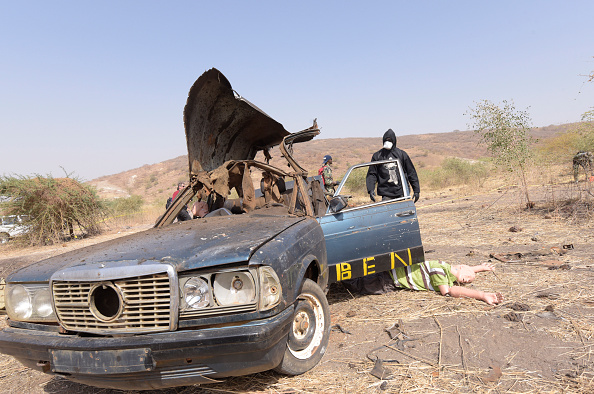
x: 220, y: 125
x: 185, y: 245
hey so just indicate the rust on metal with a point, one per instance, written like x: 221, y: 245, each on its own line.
x: 223, y: 133
x: 220, y: 125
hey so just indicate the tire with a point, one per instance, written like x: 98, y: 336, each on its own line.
x: 4, y: 237
x: 310, y: 331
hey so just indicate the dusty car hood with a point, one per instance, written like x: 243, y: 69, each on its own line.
x: 221, y: 125
x: 187, y: 245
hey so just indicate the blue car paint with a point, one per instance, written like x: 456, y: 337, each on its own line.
x: 355, y: 242
x: 234, y: 344
x: 362, y: 241
x: 374, y: 237
x: 189, y: 245
x: 291, y: 253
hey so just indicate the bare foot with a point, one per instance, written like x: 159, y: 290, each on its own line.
x: 493, y: 298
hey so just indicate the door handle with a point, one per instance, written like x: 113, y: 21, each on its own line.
x: 405, y: 213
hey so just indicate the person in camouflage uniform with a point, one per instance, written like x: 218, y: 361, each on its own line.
x: 326, y: 172
x: 584, y: 160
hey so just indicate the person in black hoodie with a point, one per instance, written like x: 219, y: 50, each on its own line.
x: 385, y: 175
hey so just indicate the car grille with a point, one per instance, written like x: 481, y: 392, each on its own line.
x: 144, y: 305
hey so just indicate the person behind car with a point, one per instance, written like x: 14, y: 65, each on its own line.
x: 583, y: 159
x: 199, y: 209
x: 439, y: 276
x: 326, y: 172
x: 386, y: 175
x: 183, y: 215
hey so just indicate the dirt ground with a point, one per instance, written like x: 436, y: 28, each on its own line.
x: 540, y: 339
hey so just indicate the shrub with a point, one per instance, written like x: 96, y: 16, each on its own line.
x: 125, y: 205
x: 505, y: 132
x: 355, y: 184
x: 455, y: 171
x: 55, y: 206
x: 561, y: 148
x: 586, y: 131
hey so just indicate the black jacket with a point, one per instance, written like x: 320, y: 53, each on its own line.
x: 380, y: 174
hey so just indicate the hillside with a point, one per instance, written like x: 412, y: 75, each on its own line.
x: 156, y: 181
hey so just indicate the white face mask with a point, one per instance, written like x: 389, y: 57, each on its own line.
x: 388, y: 145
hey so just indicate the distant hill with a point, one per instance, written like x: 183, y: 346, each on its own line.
x: 155, y: 182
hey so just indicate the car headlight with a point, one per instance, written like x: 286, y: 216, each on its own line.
x: 196, y: 293
x: 270, y: 288
x: 240, y: 290
x: 234, y: 288
x: 29, y: 302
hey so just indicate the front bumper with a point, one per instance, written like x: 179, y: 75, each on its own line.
x: 154, y: 361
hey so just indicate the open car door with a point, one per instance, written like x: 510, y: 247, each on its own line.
x: 370, y: 237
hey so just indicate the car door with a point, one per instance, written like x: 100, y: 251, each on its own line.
x: 366, y: 237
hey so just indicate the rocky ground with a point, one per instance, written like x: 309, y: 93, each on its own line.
x: 540, y: 339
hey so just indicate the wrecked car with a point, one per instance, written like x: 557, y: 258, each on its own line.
x: 239, y: 291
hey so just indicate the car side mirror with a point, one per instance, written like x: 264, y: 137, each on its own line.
x: 338, y: 203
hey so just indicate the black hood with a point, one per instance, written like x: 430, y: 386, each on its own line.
x: 391, y: 135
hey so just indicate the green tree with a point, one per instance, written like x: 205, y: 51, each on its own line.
x: 505, y: 132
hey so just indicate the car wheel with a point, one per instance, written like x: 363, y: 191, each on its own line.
x: 310, y: 331
x: 4, y: 238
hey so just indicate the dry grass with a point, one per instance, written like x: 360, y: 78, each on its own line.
x: 147, y: 216
x: 455, y: 345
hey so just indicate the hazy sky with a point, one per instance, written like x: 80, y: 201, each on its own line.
x: 97, y: 88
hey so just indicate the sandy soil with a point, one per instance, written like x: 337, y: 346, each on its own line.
x: 540, y: 339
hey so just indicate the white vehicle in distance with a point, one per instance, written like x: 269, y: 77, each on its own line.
x: 12, y: 226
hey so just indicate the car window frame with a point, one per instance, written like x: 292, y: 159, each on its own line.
x: 403, y: 180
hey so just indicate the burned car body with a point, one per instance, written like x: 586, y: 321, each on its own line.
x: 239, y: 291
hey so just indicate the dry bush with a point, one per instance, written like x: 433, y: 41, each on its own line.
x: 561, y: 197
x: 573, y: 202
x: 57, y: 207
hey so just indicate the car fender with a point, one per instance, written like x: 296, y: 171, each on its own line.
x: 291, y: 253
